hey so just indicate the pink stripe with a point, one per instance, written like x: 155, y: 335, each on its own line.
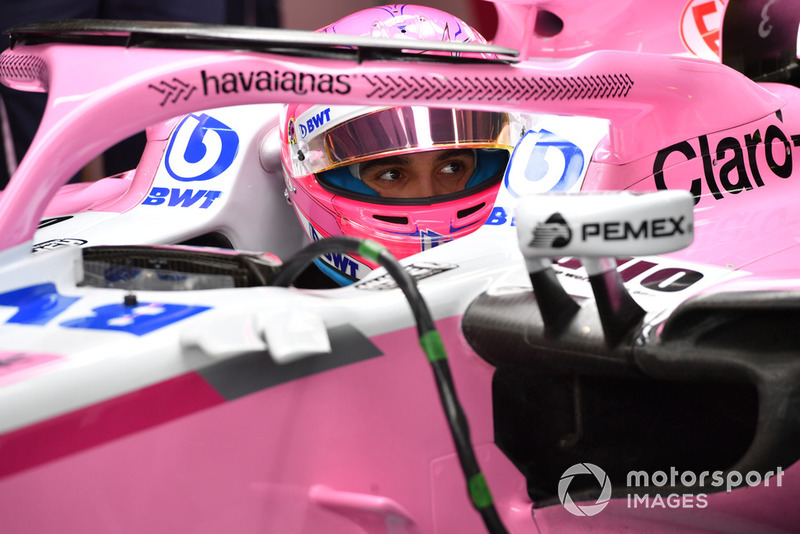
x: 103, y: 422
x: 15, y: 366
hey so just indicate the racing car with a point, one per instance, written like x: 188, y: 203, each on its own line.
x: 612, y: 348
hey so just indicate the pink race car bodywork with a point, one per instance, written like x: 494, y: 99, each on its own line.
x: 137, y: 419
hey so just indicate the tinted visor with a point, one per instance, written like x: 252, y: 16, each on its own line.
x: 400, y: 129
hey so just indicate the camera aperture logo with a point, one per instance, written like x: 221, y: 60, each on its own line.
x: 584, y: 509
x: 640, y: 482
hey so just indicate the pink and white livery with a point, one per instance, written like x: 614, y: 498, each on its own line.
x: 597, y: 334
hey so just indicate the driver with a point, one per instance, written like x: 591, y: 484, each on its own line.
x: 408, y: 177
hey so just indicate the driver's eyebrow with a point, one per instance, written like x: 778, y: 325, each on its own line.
x: 453, y: 153
x: 380, y: 162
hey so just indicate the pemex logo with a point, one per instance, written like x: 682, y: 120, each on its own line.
x: 585, y: 509
x: 552, y: 233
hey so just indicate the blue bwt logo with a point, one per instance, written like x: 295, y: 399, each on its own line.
x: 202, y: 148
x: 315, y: 122
x: 543, y: 161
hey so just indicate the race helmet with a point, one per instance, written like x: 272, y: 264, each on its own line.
x: 323, y: 149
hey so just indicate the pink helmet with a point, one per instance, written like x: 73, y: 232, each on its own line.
x: 323, y: 146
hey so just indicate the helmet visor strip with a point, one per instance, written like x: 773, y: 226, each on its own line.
x: 401, y: 129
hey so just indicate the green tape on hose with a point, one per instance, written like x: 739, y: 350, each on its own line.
x: 479, y: 491
x: 370, y: 249
x: 432, y: 345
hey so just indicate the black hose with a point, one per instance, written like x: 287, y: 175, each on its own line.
x: 432, y: 345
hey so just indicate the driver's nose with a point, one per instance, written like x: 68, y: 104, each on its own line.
x: 428, y: 185
x: 425, y: 186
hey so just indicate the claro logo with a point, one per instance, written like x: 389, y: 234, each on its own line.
x: 734, y: 165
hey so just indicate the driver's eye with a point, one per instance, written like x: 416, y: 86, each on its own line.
x: 390, y: 175
x: 453, y: 167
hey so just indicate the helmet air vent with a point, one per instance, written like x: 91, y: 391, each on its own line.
x: 469, y: 211
x: 391, y: 219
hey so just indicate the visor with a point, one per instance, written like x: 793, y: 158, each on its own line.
x: 398, y: 129
x: 489, y: 166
